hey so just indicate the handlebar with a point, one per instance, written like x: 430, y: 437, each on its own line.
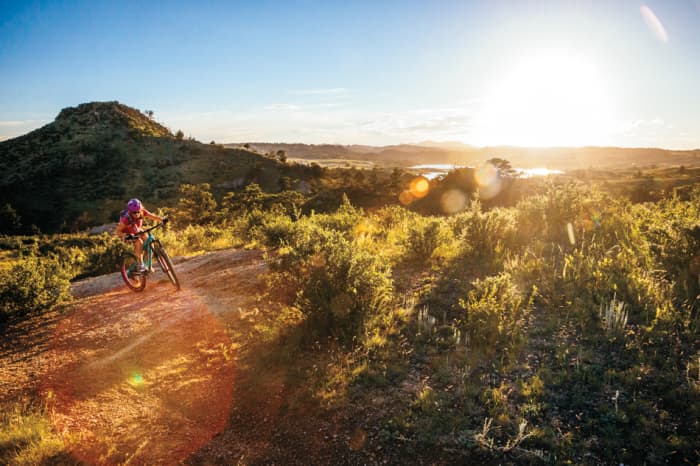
x: 131, y: 237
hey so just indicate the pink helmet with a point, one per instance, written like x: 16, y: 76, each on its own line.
x: 134, y: 205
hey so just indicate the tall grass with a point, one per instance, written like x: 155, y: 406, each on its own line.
x: 27, y: 438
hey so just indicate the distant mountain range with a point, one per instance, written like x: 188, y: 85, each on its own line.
x: 560, y: 158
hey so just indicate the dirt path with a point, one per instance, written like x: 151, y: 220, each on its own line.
x: 143, y: 378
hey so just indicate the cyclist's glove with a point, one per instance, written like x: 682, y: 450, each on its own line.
x: 130, y: 237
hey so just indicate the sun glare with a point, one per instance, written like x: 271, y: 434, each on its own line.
x: 548, y: 100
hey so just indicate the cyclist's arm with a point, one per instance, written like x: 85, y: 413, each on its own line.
x: 120, y: 231
x: 152, y: 216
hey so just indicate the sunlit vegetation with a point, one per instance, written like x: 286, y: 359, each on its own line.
x: 558, y: 327
x: 27, y: 438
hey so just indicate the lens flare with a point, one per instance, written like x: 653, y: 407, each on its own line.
x: 654, y: 24
x: 453, y: 201
x: 419, y: 187
x: 488, y: 180
x: 405, y: 198
x: 136, y: 380
x: 570, y: 232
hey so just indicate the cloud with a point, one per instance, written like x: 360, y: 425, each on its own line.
x: 422, y: 124
x: 281, y: 107
x: 13, y: 128
x: 326, y: 91
x: 327, y: 122
x: 643, y: 125
x: 18, y: 123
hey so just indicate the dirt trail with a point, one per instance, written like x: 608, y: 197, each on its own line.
x: 139, y: 378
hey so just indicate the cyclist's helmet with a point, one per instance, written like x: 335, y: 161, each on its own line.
x: 134, y: 205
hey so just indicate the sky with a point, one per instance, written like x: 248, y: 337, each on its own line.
x: 484, y: 73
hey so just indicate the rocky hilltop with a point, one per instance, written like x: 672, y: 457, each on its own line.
x: 96, y: 117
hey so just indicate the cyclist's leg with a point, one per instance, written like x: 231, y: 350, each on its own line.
x: 138, y: 250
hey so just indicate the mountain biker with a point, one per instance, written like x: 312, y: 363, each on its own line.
x: 130, y: 222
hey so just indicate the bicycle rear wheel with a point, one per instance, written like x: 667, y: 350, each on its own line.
x: 133, y: 279
x: 165, y: 263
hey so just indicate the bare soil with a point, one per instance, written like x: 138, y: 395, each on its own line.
x: 150, y: 377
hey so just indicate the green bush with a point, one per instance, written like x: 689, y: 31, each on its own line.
x: 547, y: 216
x: 345, y: 285
x: 32, y: 285
x: 486, y: 237
x: 493, y: 312
x: 197, y: 204
x: 343, y: 220
x: 106, y: 257
x: 336, y: 282
x: 425, y: 236
x: 672, y: 227
x: 275, y: 229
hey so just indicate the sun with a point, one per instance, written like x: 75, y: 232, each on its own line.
x: 548, y: 100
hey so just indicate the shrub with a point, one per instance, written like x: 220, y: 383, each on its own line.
x: 197, y: 238
x: 614, y: 258
x: 345, y: 285
x: 425, y: 236
x: 547, y: 216
x: 673, y: 231
x: 337, y: 282
x: 105, y: 258
x: 197, y: 204
x: 343, y: 220
x: 31, y: 285
x: 275, y: 229
x: 486, y: 237
x: 493, y: 311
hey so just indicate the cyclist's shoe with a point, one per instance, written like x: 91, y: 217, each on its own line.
x: 150, y: 269
x: 141, y: 268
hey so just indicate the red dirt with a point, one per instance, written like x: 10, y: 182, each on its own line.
x: 144, y: 378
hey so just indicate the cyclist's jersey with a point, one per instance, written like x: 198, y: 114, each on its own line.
x: 131, y: 225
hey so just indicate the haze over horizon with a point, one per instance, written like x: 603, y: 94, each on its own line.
x: 515, y: 73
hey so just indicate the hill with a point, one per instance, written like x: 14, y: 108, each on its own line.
x: 560, y: 158
x: 80, y: 169
x: 386, y: 156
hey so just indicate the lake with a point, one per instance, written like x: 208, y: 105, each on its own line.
x: 431, y: 171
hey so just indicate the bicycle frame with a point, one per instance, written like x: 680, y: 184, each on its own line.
x: 147, y: 253
x: 147, y: 249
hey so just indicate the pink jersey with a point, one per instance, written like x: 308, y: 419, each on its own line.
x: 133, y: 225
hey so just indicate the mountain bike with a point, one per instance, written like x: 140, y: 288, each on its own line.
x: 152, y: 249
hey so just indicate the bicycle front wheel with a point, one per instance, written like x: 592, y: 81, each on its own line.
x: 165, y: 263
x: 129, y: 269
